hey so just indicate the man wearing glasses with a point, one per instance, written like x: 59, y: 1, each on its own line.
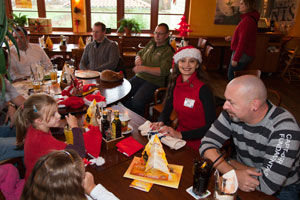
x: 152, y: 68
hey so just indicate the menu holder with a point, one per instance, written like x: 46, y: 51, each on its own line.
x: 112, y: 143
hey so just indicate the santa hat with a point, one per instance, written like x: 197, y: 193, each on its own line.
x: 187, y: 51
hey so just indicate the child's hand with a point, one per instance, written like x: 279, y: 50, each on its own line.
x: 88, y: 183
x: 72, y: 121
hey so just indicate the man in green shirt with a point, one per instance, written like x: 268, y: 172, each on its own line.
x: 152, y: 68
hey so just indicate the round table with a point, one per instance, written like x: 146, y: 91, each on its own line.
x: 112, y: 91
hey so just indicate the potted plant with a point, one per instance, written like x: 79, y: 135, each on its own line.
x: 128, y: 25
x: 5, y: 36
x: 18, y: 20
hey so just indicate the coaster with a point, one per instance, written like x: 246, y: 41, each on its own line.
x: 190, y: 191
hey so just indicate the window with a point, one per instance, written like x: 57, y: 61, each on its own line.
x: 171, y: 13
x: 140, y: 10
x: 148, y: 13
x: 104, y: 11
x: 29, y: 12
x: 59, y: 11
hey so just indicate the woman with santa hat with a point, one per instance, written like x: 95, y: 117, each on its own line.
x: 190, y: 95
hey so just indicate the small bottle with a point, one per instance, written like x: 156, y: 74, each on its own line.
x: 116, y: 126
x: 61, y: 39
x: 272, y: 25
x: 53, y: 74
x: 105, y: 126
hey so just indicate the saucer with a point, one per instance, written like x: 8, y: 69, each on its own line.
x: 129, y: 130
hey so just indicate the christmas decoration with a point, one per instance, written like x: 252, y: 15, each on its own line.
x: 184, y: 27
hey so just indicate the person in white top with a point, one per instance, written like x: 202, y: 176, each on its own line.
x: 61, y: 175
x: 30, y: 54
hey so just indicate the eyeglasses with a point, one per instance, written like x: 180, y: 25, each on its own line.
x: 158, y: 33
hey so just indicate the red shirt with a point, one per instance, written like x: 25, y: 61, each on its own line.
x: 244, y: 37
x: 37, y: 144
x: 188, y: 106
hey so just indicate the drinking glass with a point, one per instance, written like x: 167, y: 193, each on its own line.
x: 221, y: 186
x: 36, y: 86
x: 53, y: 75
x: 201, y: 172
x: 68, y: 134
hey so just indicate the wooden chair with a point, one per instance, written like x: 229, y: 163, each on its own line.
x: 255, y: 72
x: 59, y: 61
x: 205, y: 52
x: 128, y: 53
x: 76, y: 55
x: 291, y: 71
x: 273, y: 95
x: 158, y: 107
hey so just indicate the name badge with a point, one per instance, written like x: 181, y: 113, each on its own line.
x: 189, y: 102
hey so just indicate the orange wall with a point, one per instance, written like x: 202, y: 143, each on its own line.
x: 201, y: 19
x: 79, y: 16
x: 295, y: 32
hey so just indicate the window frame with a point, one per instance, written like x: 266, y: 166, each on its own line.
x: 120, y: 13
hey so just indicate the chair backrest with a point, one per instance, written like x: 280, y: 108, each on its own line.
x: 255, y: 72
x: 59, y: 61
x: 76, y: 55
x: 273, y: 95
x: 121, y: 67
x: 208, y: 49
x: 201, y: 43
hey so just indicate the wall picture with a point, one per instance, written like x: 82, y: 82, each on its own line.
x: 227, y: 12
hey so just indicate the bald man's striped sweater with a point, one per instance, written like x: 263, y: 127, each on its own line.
x: 272, y: 146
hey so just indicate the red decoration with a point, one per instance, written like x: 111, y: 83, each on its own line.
x: 184, y: 27
x: 77, y: 21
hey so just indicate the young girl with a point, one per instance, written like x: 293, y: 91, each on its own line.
x: 33, y: 123
x: 61, y: 175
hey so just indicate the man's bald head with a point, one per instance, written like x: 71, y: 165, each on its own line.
x: 250, y: 87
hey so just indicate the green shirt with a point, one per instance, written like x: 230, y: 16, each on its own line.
x: 153, y: 56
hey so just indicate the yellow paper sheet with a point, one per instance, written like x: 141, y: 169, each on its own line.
x: 174, y: 178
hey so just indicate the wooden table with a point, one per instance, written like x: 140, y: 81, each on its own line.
x: 110, y: 175
x: 57, y: 51
x: 112, y: 91
x: 222, y: 44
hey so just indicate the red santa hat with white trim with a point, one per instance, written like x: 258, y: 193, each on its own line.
x: 187, y: 51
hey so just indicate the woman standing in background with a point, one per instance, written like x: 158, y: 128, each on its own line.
x: 244, y: 38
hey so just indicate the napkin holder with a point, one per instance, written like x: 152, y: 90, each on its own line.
x: 112, y: 143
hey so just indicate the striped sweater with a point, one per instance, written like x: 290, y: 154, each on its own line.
x: 272, y: 146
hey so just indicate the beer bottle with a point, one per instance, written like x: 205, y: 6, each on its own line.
x: 116, y: 126
x: 105, y: 126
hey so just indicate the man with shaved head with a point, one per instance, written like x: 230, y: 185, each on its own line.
x: 266, y: 138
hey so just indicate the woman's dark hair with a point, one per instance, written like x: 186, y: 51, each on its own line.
x: 58, y: 175
x: 251, y: 5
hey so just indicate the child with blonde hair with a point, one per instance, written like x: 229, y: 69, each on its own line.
x: 61, y: 175
x: 33, y: 122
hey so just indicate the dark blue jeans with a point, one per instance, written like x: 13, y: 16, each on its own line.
x: 243, y: 62
x: 140, y: 95
x: 290, y: 192
x: 8, y: 143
